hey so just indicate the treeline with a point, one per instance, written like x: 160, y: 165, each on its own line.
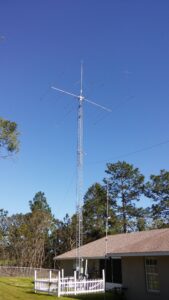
x: 34, y: 238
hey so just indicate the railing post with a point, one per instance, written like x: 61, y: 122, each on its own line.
x: 50, y: 275
x: 50, y: 278
x: 62, y: 273
x: 75, y: 282
x: 103, y: 276
x: 86, y: 267
x: 59, y: 284
x: 35, y: 277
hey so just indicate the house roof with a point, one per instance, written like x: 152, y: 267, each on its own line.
x: 143, y: 243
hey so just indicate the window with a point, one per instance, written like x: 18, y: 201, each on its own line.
x: 117, y: 271
x: 152, y: 275
x: 113, y: 269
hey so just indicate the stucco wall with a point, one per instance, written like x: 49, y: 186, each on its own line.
x: 133, y: 273
x: 68, y: 266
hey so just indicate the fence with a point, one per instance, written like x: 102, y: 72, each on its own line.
x: 8, y: 271
x: 69, y: 285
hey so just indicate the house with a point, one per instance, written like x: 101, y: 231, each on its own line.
x: 138, y: 262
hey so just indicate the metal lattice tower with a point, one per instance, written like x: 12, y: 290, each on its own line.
x: 79, y: 187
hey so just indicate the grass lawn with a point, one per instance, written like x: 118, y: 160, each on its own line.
x: 12, y: 288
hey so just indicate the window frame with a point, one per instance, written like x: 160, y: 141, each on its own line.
x: 152, y: 276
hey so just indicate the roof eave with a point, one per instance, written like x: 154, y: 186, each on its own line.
x: 117, y: 255
x: 130, y: 254
x: 83, y: 257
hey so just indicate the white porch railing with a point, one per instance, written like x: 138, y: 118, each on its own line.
x: 69, y: 285
x: 44, y: 285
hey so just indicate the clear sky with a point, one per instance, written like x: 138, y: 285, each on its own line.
x: 125, y: 48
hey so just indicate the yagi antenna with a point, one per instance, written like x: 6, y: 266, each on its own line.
x: 82, y: 98
x: 79, y: 188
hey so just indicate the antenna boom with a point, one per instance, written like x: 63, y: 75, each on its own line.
x: 96, y: 104
x: 65, y: 92
x: 82, y: 98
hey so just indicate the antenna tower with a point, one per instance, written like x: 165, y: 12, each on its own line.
x: 79, y: 188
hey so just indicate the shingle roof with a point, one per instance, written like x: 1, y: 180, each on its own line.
x: 152, y: 242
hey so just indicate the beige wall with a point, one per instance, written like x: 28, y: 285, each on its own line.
x: 133, y: 273
x: 68, y: 266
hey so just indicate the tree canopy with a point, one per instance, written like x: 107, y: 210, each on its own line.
x: 39, y: 202
x: 95, y: 213
x: 9, y: 134
x: 125, y: 187
x: 157, y: 188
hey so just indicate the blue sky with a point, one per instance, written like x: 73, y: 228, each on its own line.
x: 125, y: 48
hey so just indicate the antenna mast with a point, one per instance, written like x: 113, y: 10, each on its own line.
x: 79, y: 187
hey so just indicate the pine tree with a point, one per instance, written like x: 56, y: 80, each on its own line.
x: 125, y: 187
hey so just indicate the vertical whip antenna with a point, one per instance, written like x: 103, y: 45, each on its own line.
x: 81, y: 79
x: 107, y: 216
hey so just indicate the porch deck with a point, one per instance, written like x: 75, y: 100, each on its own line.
x: 60, y: 285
